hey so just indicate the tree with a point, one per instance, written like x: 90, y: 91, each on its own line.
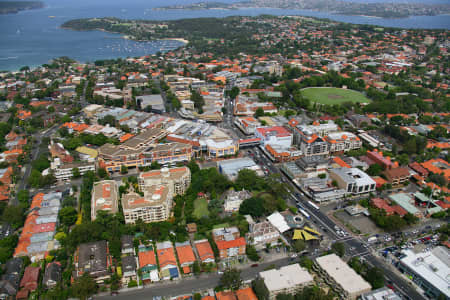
x: 375, y: 277
x: 13, y: 215
x: 76, y: 173
x: 123, y: 169
x: 260, y: 289
x: 259, y: 112
x: 23, y: 196
x: 196, y: 268
x: 234, y: 92
x: 338, y: 248
x: 253, y: 206
x: 84, y: 287
x: 299, y: 245
x: 68, y: 216
x: 251, y: 253
x: 374, y: 170
x: 102, y: 173
x: 231, y: 279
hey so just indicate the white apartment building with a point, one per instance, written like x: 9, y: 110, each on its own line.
x: 104, y: 197
x: 343, y: 141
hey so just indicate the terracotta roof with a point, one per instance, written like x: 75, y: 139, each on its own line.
x: 225, y: 296
x: 185, y: 254
x: 246, y: 294
x: 204, y: 250
x: 147, y: 258
x: 239, y: 242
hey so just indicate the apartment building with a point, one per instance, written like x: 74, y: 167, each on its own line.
x: 94, y: 259
x: 286, y: 280
x: 229, y: 242
x: 247, y: 125
x: 343, y: 141
x: 104, y: 197
x: 179, y: 178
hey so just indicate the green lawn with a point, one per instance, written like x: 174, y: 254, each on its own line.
x: 333, y: 95
x: 201, y: 208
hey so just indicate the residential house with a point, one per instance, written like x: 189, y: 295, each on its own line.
x: 167, y: 261
x: 29, y: 282
x: 186, y: 256
x: 147, y: 264
x: 233, y: 200
x: 94, y: 259
x: 127, y: 245
x: 52, y: 275
x: 128, y: 269
x: 204, y: 251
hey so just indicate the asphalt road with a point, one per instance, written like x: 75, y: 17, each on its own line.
x: 34, y: 155
x: 189, y: 285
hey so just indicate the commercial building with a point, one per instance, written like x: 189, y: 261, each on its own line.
x: 286, y: 280
x: 94, y: 259
x: 104, y: 197
x: 248, y: 125
x: 407, y: 203
x: 383, y: 293
x: 353, y: 180
x: 429, y: 270
x: 275, y: 135
x: 156, y: 103
x: 347, y: 283
x: 385, y: 161
x: 231, y: 167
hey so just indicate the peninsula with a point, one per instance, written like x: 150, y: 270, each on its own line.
x: 13, y: 7
x: 378, y: 9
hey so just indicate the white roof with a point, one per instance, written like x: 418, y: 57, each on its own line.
x: 345, y: 276
x: 432, y: 266
x: 286, y: 277
x: 278, y: 221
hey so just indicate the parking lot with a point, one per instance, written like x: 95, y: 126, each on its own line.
x: 363, y: 223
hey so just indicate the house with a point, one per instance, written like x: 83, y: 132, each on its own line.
x: 389, y: 210
x: 128, y: 269
x: 233, y: 200
x: 167, y: 261
x: 126, y: 242
x: 229, y: 295
x: 397, y: 176
x: 186, y: 256
x: 94, y: 259
x: 385, y: 161
x: 30, y: 279
x: 52, y: 274
x: 246, y: 294
x: 204, y: 251
x: 148, y: 265
x: 9, y: 283
x: 191, y: 228
x: 286, y: 280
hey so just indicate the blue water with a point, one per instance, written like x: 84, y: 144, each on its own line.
x: 32, y: 38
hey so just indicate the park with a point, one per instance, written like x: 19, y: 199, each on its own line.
x: 330, y: 95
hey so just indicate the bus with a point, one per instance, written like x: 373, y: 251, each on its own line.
x: 304, y: 213
x: 313, y: 205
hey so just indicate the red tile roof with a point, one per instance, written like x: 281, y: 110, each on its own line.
x: 239, y: 242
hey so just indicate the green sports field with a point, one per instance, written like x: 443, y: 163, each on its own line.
x: 333, y: 95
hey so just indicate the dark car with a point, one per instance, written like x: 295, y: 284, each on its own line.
x: 254, y: 265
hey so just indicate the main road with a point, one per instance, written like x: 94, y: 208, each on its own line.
x: 189, y: 285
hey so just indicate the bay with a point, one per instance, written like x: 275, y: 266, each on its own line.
x: 34, y: 37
